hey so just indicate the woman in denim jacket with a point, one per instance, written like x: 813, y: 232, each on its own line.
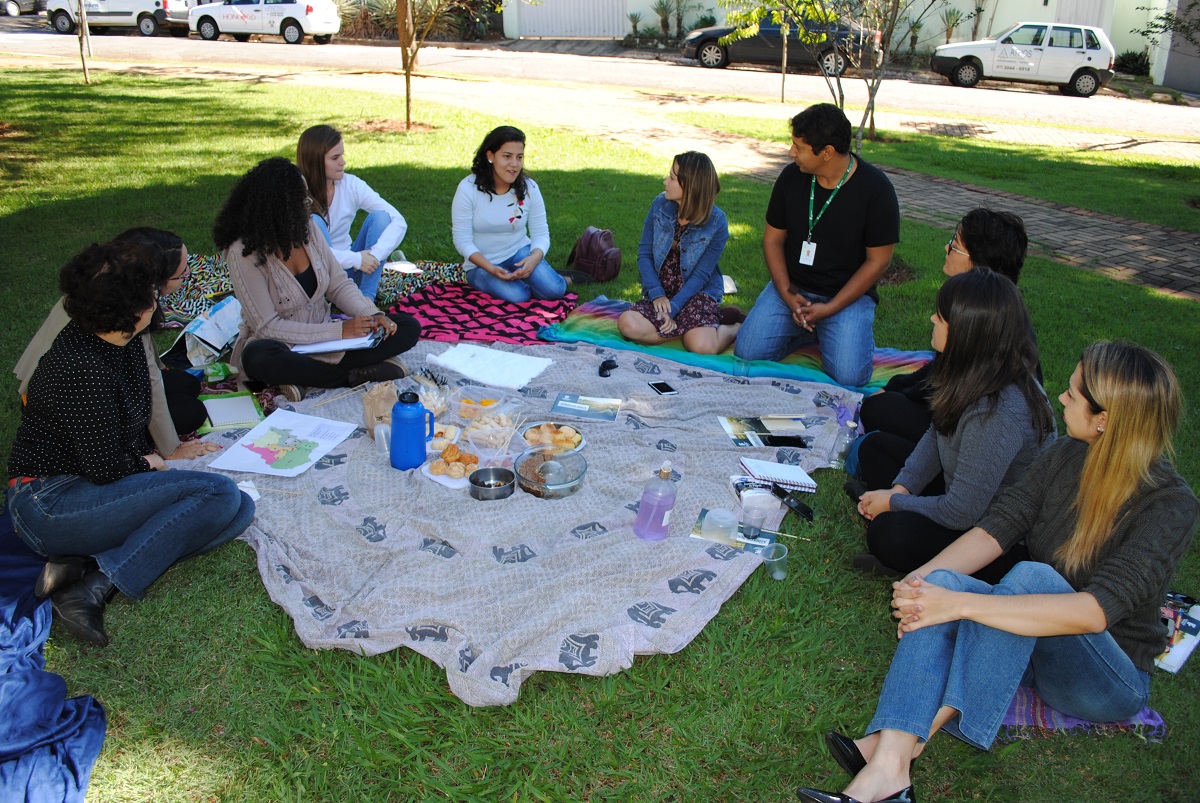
x: 681, y: 245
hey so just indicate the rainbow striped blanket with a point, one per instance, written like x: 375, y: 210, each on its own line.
x: 596, y: 322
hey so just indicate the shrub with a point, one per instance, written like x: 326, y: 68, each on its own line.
x: 705, y: 21
x: 1133, y: 62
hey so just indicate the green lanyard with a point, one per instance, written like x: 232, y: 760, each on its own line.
x: 812, y: 188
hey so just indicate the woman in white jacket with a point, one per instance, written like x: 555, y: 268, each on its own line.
x: 337, y: 196
x: 499, y: 223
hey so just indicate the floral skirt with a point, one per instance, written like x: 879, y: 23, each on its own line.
x: 701, y: 310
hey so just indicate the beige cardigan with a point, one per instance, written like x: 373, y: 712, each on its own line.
x: 275, y: 306
x: 162, y: 428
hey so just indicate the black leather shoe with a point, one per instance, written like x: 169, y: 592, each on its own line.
x: 855, y: 489
x: 817, y: 796
x: 58, y: 575
x: 845, y: 752
x: 80, y: 608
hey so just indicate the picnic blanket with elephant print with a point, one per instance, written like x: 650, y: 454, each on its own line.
x: 369, y: 559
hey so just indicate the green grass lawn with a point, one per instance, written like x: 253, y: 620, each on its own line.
x: 1133, y: 187
x: 210, y: 695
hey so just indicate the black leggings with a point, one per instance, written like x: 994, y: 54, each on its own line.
x: 904, y: 541
x: 187, y: 411
x: 274, y: 363
x: 881, y: 455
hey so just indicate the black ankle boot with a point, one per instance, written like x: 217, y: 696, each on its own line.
x: 80, y: 608
x: 61, y: 573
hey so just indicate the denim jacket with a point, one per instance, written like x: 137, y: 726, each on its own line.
x: 700, y: 250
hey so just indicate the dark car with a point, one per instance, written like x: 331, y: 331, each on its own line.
x: 853, y: 43
x: 15, y: 8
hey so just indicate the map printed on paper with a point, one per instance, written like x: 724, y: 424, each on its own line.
x: 285, y: 444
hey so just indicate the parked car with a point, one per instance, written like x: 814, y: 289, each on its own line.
x: 15, y: 8
x: 290, y: 19
x: 842, y: 42
x: 148, y: 16
x: 1078, y: 58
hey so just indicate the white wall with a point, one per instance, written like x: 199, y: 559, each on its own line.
x: 513, y: 10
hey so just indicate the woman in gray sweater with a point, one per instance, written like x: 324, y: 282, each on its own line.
x: 1107, y: 519
x: 990, y: 420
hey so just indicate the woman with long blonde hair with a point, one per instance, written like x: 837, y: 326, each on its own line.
x: 1106, y: 518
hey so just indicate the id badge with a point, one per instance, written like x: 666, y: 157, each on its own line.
x: 808, y: 252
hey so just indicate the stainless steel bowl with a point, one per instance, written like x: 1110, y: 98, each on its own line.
x: 491, y: 483
x: 550, y: 472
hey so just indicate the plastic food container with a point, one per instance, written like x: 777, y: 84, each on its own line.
x: 495, y: 446
x: 469, y: 403
x: 550, y: 473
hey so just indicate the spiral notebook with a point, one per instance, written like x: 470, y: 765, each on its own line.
x: 788, y: 476
x: 230, y: 411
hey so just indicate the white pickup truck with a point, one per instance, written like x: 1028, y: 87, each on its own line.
x: 148, y: 16
x: 1078, y: 58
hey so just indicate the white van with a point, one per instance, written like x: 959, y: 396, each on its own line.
x: 292, y: 20
x: 1078, y: 58
x: 148, y: 16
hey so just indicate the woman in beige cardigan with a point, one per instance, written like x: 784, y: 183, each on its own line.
x: 175, y: 410
x: 286, y: 278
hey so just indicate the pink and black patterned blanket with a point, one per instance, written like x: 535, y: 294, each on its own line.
x: 459, y: 312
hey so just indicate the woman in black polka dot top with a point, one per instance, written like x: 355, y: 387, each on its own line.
x: 86, y: 489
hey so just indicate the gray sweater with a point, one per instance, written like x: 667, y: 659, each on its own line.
x: 1130, y: 575
x: 986, y: 452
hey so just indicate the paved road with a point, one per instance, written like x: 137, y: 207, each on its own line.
x: 1128, y: 250
x: 938, y: 102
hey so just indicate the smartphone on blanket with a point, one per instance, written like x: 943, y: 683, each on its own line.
x: 662, y: 388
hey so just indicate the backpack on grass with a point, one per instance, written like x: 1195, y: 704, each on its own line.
x: 595, y: 255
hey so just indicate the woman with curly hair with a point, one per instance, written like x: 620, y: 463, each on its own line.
x: 286, y: 278
x: 682, y: 241
x: 86, y: 489
x: 499, y: 223
x: 337, y: 196
x: 175, y: 408
x: 1107, y: 519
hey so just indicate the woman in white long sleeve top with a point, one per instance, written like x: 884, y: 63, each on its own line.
x: 499, y: 223
x: 336, y: 198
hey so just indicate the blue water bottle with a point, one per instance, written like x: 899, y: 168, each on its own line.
x: 412, y: 427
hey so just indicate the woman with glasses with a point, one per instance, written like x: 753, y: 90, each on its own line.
x: 984, y: 239
x: 990, y: 418
x: 1107, y: 519
x: 86, y: 488
x: 175, y: 408
x: 682, y: 242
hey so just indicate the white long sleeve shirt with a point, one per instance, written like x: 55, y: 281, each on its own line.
x: 350, y: 195
x: 497, y: 226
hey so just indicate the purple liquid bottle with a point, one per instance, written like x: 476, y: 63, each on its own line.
x: 654, y: 512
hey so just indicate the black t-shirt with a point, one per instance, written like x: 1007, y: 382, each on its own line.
x: 865, y: 214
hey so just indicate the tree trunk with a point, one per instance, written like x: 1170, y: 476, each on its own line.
x: 85, y: 40
x: 783, y: 69
x: 408, y: 55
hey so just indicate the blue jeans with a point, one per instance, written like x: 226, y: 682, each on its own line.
x: 136, y: 527
x: 976, y: 669
x: 847, y: 339
x: 543, y: 283
x: 368, y: 235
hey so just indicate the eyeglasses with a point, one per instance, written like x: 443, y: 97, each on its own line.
x: 950, y: 246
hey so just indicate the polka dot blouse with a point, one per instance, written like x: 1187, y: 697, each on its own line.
x: 86, y: 411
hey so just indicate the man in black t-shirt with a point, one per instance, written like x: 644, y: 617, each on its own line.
x: 832, y: 224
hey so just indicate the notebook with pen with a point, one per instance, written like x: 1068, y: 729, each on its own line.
x: 793, y: 477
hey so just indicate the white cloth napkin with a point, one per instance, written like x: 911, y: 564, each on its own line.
x: 501, y: 369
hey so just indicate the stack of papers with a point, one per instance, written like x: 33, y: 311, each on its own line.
x: 500, y: 369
